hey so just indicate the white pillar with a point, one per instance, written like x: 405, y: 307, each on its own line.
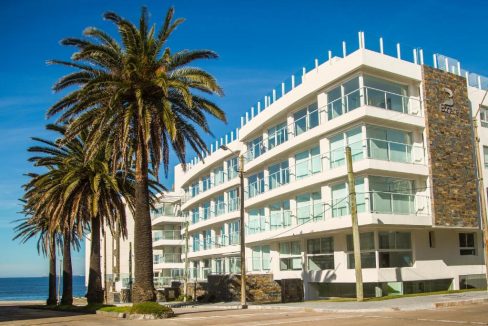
x: 446, y: 62
x: 344, y: 50
x: 434, y: 57
x: 330, y: 56
x: 399, y: 53
x: 421, y: 55
x: 415, y: 56
x: 252, y: 112
x: 292, y: 81
x: 282, y: 89
x: 381, y: 46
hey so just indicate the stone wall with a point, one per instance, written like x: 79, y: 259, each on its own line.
x: 450, y: 149
x: 291, y: 290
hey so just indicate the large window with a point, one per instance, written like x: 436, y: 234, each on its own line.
x: 206, y: 210
x: 290, y: 256
x: 340, y: 198
x: 218, y: 175
x: 280, y: 215
x: 389, y: 144
x: 368, y: 256
x: 485, y: 156
x: 305, y: 119
x: 279, y: 175
x: 257, y: 221
x: 343, y: 98
x: 386, y: 94
x: 484, y: 116
x: 320, y: 254
x: 206, y: 183
x: 219, y: 205
x: 395, y: 249
x: 309, y: 207
x: 261, y: 258
x: 256, y: 184
x: 195, y: 242
x: 337, y: 143
x: 232, y: 200
x: 307, y: 163
x: 232, y: 167
x: 195, y: 189
x: 234, y: 227
x: 207, y: 239
x: 255, y: 148
x: 467, y: 244
x: 277, y: 135
x: 195, y: 216
x: 391, y: 196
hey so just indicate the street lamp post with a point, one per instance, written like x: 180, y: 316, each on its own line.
x: 242, y: 233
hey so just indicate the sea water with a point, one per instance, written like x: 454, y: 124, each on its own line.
x: 35, y: 288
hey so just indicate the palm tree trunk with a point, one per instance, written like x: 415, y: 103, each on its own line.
x: 143, y: 289
x: 52, y: 300
x: 67, y: 298
x: 95, y: 291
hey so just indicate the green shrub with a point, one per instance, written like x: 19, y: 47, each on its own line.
x: 150, y: 308
x: 181, y: 297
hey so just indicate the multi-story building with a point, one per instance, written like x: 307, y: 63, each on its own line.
x: 409, y: 127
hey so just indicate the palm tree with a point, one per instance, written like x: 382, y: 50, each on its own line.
x: 31, y: 227
x: 142, y: 100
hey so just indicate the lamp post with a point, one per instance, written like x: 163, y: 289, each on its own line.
x: 242, y: 233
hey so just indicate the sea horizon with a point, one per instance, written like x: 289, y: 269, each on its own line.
x: 35, y: 288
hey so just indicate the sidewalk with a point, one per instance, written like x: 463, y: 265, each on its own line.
x: 400, y: 304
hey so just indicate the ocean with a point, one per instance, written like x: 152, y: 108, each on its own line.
x: 34, y: 288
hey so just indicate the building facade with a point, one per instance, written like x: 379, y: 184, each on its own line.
x: 409, y: 127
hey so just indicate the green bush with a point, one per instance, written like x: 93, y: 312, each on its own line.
x: 181, y: 297
x: 150, y: 308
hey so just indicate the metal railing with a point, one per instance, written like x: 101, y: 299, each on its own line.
x: 167, y: 235
x: 167, y: 258
x: 219, y: 241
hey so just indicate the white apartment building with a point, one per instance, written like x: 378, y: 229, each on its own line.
x: 409, y: 129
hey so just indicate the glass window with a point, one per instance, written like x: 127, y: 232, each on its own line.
x: 232, y: 200
x: 256, y: 184
x: 337, y: 144
x: 485, y: 155
x: 255, y: 148
x: 290, y: 256
x: 279, y: 175
x: 368, y: 256
x: 277, y: 135
x: 195, y: 189
x: 484, y: 117
x: 219, y: 205
x: 280, y: 215
x: 340, y: 198
x: 391, y: 196
x: 206, y: 210
x: 257, y: 221
x: 467, y: 244
x: 386, y: 94
x: 195, y: 216
x: 395, y: 249
x: 343, y: 98
x: 218, y: 175
x: 320, y: 253
x: 306, y: 118
x: 260, y: 258
x: 232, y: 168
x: 308, y: 162
x: 195, y: 242
x: 206, y: 183
x: 389, y: 144
x: 309, y: 207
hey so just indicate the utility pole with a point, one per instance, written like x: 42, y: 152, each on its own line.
x: 242, y: 229
x: 355, y: 228
x: 130, y: 271
x: 481, y: 187
x: 185, y: 290
x: 59, y: 277
x: 105, y: 289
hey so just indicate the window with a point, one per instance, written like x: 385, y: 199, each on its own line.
x: 485, y: 156
x: 279, y: 174
x: 206, y: 210
x: 290, y: 256
x: 195, y: 216
x: 206, y: 183
x: 255, y: 148
x: 305, y: 119
x: 280, y: 215
x: 277, y: 135
x: 309, y: 207
x: 255, y: 184
x: 207, y: 239
x: 467, y: 244
x: 257, y: 221
x: 484, y: 116
x: 261, y: 258
x: 337, y: 144
x: 391, y: 195
x: 219, y: 205
x: 218, y: 175
x: 395, y: 249
x: 340, y: 198
x: 232, y: 168
x: 389, y: 144
x: 234, y: 228
x: 232, y: 200
x: 308, y: 163
x: 343, y: 98
x: 194, y: 189
x: 320, y: 254
x: 385, y: 94
x: 235, y: 265
x: 368, y: 256
x: 195, y: 242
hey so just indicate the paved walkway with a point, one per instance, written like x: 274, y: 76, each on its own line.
x: 400, y: 304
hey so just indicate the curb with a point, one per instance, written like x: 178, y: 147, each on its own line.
x: 459, y: 303
x: 114, y: 314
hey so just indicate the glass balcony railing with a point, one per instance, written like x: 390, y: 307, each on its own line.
x: 167, y: 258
x: 398, y: 203
x: 219, y: 241
x: 167, y: 235
x: 215, y: 211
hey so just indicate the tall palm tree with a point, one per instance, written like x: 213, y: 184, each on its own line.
x: 141, y: 99
x: 83, y: 191
x: 31, y: 227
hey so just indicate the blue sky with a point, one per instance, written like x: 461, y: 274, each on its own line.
x: 260, y: 43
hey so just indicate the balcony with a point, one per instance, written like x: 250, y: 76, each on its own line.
x: 216, y: 211
x: 167, y: 258
x: 220, y: 241
x: 167, y: 235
